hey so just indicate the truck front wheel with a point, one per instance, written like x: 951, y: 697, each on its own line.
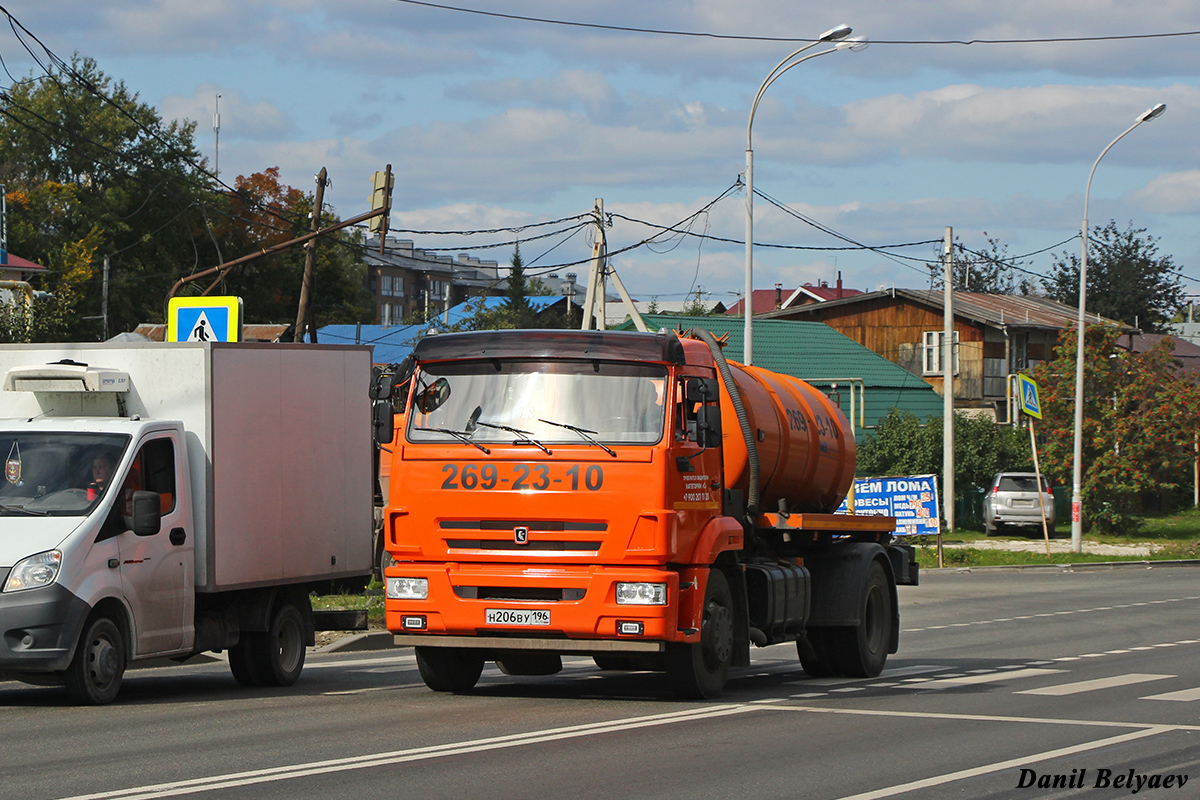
x: 698, y: 671
x: 94, y: 675
x: 449, y: 669
x: 861, y: 651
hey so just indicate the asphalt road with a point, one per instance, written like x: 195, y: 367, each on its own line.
x: 1002, y: 678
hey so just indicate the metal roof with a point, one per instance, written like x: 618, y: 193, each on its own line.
x: 994, y: 310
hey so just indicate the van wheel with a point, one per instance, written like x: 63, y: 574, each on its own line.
x: 862, y: 650
x: 280, y: 651
x: 94, y: 676
x: 449, y: 669
x: 698, y: 671
x: 241, y: 662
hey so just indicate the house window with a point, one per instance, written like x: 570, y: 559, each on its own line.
x: 933, y: 352
x: 391, y: 286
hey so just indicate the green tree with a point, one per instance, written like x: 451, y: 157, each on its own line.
x: 989, y: 271
x: 92, y: 170
x: 1139, y: 421
x: 902, y: 445
x: 1128, y: 280
x: 517, y: 305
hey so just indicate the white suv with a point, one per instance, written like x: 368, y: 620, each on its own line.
x: 1012, y: 500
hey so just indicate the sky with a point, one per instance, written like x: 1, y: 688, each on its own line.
x: 495, y: 124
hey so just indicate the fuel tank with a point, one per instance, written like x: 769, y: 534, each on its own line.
x: 805, y: 448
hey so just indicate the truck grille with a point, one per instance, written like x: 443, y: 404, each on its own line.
x: 535, y: 529
x: 536, y: 594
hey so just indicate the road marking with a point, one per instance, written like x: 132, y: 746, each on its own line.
x: 1093, y: 685
x: 271, y: 774
x: 1053, y: 613
x: 998, y: 766
x: 1182, y: 696
x: 972, y: 680
x: 358, y: 662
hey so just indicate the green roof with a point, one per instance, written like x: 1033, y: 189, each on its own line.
x: 816, y: 353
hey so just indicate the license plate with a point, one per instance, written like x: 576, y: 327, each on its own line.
x: 1022, y: 503
x: 518, y: 616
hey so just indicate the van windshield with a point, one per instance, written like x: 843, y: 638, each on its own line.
x: 544, y: 401
x: 57, y: 474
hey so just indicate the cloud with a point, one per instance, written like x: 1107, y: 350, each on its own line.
x: 241, y: 118
x: 1171, y: 193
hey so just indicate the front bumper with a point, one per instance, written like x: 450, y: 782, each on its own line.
x: 39, y: 629
x: 580, y: 603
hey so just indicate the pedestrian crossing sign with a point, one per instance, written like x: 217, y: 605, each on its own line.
x: 204, y: 319
x: 1029, y: 396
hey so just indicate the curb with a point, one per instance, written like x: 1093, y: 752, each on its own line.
x: 374, y: 640
x: 1087, y: 566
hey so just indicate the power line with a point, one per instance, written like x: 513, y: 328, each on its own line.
x: 751, y: 38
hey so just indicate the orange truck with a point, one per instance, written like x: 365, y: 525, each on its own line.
x: 632, y: 497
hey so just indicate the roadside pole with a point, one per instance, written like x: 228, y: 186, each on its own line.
x: 1041, y: 498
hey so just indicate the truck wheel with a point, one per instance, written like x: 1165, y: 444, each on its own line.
x: 279, y: 652
x: 449, y: 669
x: 862, y: 650
x: 816, y: 657
x: 698, y: 671
x: 94, y: 675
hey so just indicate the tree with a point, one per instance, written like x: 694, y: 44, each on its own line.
x: 902, y: 445
x: 1127, y: 278
x: 1139, y: 421
x: 263, y: 212
x: 91, y: 170
x: 517, y: 305
x: 989, y: 271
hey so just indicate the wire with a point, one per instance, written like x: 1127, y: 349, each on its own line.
x: 737, y: 37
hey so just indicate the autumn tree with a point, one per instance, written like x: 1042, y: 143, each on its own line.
x: 1139, y: 421
x: 1128, y: 279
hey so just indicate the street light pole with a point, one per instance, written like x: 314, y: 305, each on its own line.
x: 1077, y: 468
x: 832, y: 35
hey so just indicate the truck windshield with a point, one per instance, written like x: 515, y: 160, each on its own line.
x: 56, y: 474
x: 614, y: 402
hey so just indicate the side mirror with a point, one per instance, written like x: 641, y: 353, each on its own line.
x: 708, y: 424
x: 147, y: 513
x: 383, y: 418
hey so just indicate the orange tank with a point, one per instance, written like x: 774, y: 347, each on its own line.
x: 805, y: 448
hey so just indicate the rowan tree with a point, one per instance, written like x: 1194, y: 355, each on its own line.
x: 1140, y: 416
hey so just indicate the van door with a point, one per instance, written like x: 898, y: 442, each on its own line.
x: 156, y: 570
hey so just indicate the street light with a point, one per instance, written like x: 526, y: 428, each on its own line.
x: 838, y: 35
x: 1077, y: 470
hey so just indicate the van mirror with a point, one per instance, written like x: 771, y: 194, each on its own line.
x: 147, y: 513
x: 384, y: 421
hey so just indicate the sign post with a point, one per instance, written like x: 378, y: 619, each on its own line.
x: 204, y: 319
x: 1031, y: 406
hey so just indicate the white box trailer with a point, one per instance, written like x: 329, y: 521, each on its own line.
x: 243, y: 475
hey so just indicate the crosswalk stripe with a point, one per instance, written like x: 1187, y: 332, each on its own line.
x: 1093, y: 685
x: 970, y: 680
x: 1182, y: 696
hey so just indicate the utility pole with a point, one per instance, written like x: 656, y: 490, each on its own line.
x: 104, y: 300
x: 304, y: 318
x: 594, y: 300
x: 217, y: 137
x: 948, y: 383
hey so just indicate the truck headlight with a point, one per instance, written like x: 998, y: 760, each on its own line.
x: 34, y: 572
x: 407, y: 588
x: 641, y: 594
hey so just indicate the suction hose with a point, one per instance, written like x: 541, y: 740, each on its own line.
x: 743, y: 420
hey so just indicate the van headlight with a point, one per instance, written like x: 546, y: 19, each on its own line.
x: 407, y: 588
x: 641, y: 594
x: 34, y: 572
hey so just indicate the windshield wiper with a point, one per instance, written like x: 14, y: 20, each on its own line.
x: 526, y: 436
x: 23, y: 510
x: 459, y: 435
x: 584, y: 432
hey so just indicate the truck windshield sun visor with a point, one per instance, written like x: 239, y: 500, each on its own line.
x: 55, y: 474
x: 541, y: 403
